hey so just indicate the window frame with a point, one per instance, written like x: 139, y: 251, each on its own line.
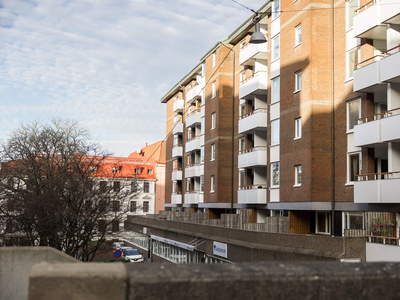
x: 275, y: 184
x: 298, y: 129
x: 213, y: 120
x: 133, y: 206
x: 212, y: 184
x: 214, y: 89
x: 348, y: 123
x: 146, y: 187
x: 212, y: 152
x: 274, y: 40
x: 214, y: 60
x: 297, y: 175
x: 276, y: 9
x: 146, y: 206
x: 297, y: 81
x: 275, y: 132
x: 298, y: 35
x: 275, y: 89
x: 349, y: 166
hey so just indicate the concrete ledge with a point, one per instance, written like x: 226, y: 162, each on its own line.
x: 78, y: 281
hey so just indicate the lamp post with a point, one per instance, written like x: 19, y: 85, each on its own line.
x: 257, y: 37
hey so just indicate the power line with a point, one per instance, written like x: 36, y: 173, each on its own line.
x: 245, y: 7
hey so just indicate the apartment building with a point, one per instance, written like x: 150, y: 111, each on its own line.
x: 304, y: 123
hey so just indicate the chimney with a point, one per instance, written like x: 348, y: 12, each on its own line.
x: 146, y: 144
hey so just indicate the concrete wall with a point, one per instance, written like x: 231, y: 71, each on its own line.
x: 273, y: 281
x: 248, y: 246
x: 382, y: 253
x: 15, y: 265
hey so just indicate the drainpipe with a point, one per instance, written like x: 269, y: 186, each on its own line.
x: 333, y: 114
x: 233, y: 123
x: 183, y: 137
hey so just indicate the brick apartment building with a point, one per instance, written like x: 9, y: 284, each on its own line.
x: 306, y: 124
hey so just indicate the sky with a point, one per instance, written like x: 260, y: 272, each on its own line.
x: 104, y: 63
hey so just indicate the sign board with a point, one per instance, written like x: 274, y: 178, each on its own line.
x: 220, y: 249
x: 117, y: 253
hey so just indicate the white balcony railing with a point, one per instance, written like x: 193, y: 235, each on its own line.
x: 377, y: 188
x: 193, y: 144
x: 254, y: 194
x: 193, y: 118
x: 177, y: 151
x: 367, y: 76
x: 253, y: 157
x: 257, y: 119
x: 176, y: 198
x: 254, y: 85
x: 390, y: 65
x: 178, y: 105
x: 251, y: 52
x: 194, y: 170
x: 192, y: 197
x: 176, y: 175
x: 178, y: 128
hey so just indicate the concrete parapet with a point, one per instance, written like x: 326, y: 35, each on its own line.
x: 87, y: 281
x: 15, y: 264
x: 274, y: 281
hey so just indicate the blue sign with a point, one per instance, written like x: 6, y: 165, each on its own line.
x: 117, y: 253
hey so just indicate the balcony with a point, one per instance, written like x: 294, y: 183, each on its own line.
x: 177, y: 151
x: 196, y: 91
x: 192, y: 198
x: 367, y: 22
x: 256, y: 120
x: 178, y: 128
x: 178, y: 105
x: 367, y: 76
x: 253, y: 157
x: 377, y: 188
x: 250, y: 52
x: 193, y: 118
x: 254, y: 85
x: 368, y: 131
x: 390, y: 126
x: 193, y: 144
x: 253, y: 194
x: 390, y: 66
x: 176, y: 198
x: 176, y: 175
x: 194, y: 170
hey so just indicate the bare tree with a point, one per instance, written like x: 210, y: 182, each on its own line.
x: 50, y: 191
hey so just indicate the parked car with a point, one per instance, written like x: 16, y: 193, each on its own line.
x: 133, y: 255
x: 118, y: 245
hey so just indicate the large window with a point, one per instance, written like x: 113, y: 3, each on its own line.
x: 297, y: 128
x: 353, y: 113
x: 297, y: 175
x: 213, y: 120
x: 117, y: 186
x: 275, y: 47
x: 275, y: 174
x: 213, y: 152
x: 351, y: 11
x: 297, y: 79
x: 353, y: 220
x: 145, y: 206
x: 276, y: 9
x: 115, y: 206
x: 275, y: 132
x: 214, y: 60
x: 352, y: 59
x: 354, y: 164
x: 275, y: 90
x: 297, y: 33
x: 214, y: 89
x: 146, y: 187
x: 201, y: 183
x: 103, y: 186
x: 115, y: 225
x: 202, y: 128
x: 323, y: 224
x: 212, y: 182
x: 133, y: 206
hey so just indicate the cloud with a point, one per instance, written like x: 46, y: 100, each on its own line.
x: 104, y: 63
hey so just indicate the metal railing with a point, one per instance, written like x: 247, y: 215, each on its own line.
x: 264, y: 110
x: 253, y: 187
x: 379, y: 116
x: 379, y: 176
x: 366, y: 5
x: 383, y: 240
x: 252, y: 76
x: 197, y: 110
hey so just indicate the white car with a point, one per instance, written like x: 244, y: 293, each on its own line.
x: 133, y: 255
x: 118, y: 245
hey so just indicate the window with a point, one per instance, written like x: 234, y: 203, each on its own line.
x: 241, y: 178
x: 214, y: 90
x: 212, y: 182
x: 189, y: 133
x: 188, y: 184
x: 149, y: 171
x: 133, y: 206
x: 213, y: 152
x: 351, y: 7
x: 354, y: 166
x: 275, y: 174
x: 137, y: 170
x: 351, y: 62
x: 275, y: 47
x: 145, y: 206
x: 213, y: 120
x: 201, y: 183
x: 297, y: 78
x: 275, y: 132
x: 297, y: 175
x: 92, y: 169
x: 202, y: 154
x: 242, y: 144
x: 115, y: 170
x: 176, y: 141
x: 214, y: 60
x: 353, y: 220
x: 276, y: 9
x: 202, y: 129
x: 353, y: 114
x: 134, y: 187
x: 103, y: 186
x: 323, y: 224
x: 146, y: 187
x: 117, y: 186
x: 275, y: 87
x: 297, y: 31
x: 102, y: 225
x: 115, y: 225
x: 297, y: 128
x: 203, y: 69
x: 115, y: 206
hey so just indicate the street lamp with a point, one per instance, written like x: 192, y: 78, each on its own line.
x: 257, y: 37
